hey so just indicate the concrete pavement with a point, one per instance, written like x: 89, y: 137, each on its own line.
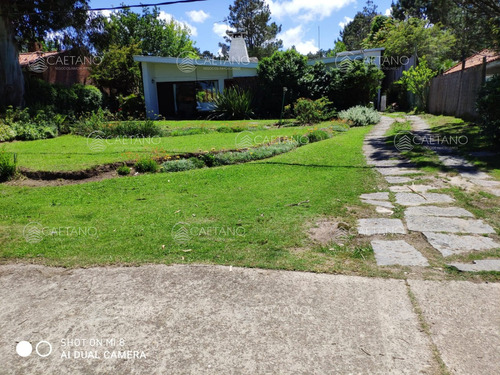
x: 221, y: 320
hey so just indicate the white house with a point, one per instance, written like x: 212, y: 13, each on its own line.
x: 182, y: 87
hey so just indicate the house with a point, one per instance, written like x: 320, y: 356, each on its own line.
x: 183, y: 87
x: 489, y: 58
x: 65, y: 68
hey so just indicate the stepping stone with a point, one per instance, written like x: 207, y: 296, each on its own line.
x: 451, y: 244
x: 388, y: 253
x: 495, y: 192
x: 411, y: 188
x: 370, y: 227
x: 398, y: 180
x: 384, y: 211
x: 437, y: 211
x: 478, y: 265
x: 412, y: 199
x: 475, y: 175
x: 378, y: 203
x: 485, y: 183
x: 395, y: 171
x: 447, y: 224
x: 376, y: 196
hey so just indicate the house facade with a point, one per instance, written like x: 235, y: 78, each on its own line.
x: 182, y: 87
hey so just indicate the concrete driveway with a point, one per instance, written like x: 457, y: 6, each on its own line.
x: 222, y: 320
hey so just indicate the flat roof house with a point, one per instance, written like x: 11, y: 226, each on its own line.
x: 182, y: 87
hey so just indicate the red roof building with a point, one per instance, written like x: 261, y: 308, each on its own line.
x: 492, y: 59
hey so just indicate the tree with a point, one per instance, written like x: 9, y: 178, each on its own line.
x: 417, y: 81
x: 253, y: 17
x: 357, y: 30
x: 153, y: 35
x: 282, y: 69
x: 23, y: 23
x: 474, y: 23
x: 118, y: 72
x: 413, y: 37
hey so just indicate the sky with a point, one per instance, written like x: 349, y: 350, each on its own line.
x: 300, y: 19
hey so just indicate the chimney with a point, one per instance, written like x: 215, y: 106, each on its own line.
x: 238, y: 50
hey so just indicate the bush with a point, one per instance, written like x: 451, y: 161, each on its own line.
x: 233, y: 104
x: 97, y: 121
x: 8, y: 166
x: 146, y: 165
x: 89, y: 98
x: 123, y: 170
x: 180, y: 165
x: 317, y: 135
x: 360, y: 116
x: 6, y: 133
x: 27, y: 128
x: 488, y: 109
x: 312, y: 112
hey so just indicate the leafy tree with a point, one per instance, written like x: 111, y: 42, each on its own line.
x: 357, y: 30
x: 475, y: 23
x: 253, y: 17
x: 417, y: 81
x: 153, y: 35
x: 413, y: 37
x: 22, y: 23
x: 282, y: 69
x: 339, y: 47
x: 118, y: 72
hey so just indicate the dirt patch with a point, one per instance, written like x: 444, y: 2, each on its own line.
x: 327, y: 231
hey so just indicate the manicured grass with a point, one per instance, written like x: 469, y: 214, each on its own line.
x: 70, y: 153
x: 214, y: 124
x: 242, y: 215
x: 425, y: 159
x: 476, y: 141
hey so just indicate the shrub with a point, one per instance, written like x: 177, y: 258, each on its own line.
x: 208, y: 159
x: 317, y: 135
x: 360, y: 116
x: 6, y: 133
x: 146, y: 165
x: 488, y: 109
x: 27, y: 128
x: 8, y: 166
x: 123, y: 170
x: 308, y: 111
x: 233, y: 104
x: 180, y: 165
x: 89, y: 98
x: 282, y: 69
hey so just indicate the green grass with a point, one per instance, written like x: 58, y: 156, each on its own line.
x: 455, y: 127
x: 240, y: 215
x: 213, y: 124
x: 71, y: 153
x: 426, y: 160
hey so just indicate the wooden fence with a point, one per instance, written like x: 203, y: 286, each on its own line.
x: 455, y: 94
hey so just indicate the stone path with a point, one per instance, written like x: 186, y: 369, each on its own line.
x: 450, y: 230
x: 448, y: 157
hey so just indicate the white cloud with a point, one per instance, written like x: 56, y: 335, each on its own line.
x: 198, y: 16
x: 168, y: 17
x: 388, y: 12
x: 345, y: 22
x: 220, y: 29
x: 306, y: 10
x: 293, y: 37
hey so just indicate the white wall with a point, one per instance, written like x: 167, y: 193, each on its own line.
x: 165, y: 72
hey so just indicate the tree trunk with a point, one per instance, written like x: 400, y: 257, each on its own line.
x: 11, y: 75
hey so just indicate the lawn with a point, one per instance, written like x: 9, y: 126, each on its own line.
x: 477, y: 142
x: 70, y: 152
x: 245, y: 215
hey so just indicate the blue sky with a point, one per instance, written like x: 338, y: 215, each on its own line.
x: 300, y: 19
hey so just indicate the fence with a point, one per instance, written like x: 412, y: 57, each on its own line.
x: 455, y: 94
